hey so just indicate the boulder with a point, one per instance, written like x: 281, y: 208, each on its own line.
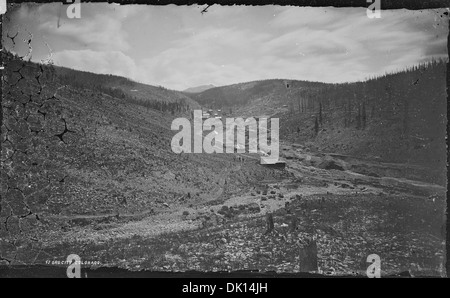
x: 331, y: 165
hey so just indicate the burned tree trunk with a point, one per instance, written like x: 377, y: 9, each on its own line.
x: 363, y: 116
x: 358, y: 118
x: 293, y: 226
x: 270, y: 225
x: 320, y: 113
x: 316, y: 127
x: 308, y: 257
x: 405, y: 117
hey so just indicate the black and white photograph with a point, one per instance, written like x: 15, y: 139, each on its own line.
x: 289, y: 140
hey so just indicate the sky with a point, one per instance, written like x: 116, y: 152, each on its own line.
x: 179, y: 47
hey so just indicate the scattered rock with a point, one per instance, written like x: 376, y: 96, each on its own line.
x: 308, y: 257
x: 331, y: 165
x: 253, y: 208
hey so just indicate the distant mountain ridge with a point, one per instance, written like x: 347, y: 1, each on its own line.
x: 199, y: 89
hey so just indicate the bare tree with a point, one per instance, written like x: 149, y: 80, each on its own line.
x: 269, y: 222
x: 308, y: 257
x: 320, y: 113
x: 316, y: 127
x: 364, y: 116
x: 293, y: 226
x: 358, y: 118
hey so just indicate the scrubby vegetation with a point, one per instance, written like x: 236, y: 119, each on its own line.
x: 120, y: 87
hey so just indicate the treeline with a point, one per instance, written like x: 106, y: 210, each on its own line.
x: 241, y: 94
x: 177, y: 107
x: 101, y: 83
x: 414, y: 92
x: 89, y: 80
x: 83, y: 80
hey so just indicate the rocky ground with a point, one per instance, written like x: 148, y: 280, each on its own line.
x: 85, y: 173
x: 349, y: 215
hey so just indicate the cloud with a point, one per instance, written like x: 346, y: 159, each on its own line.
x: 319, y: 44
x: 99, y: 28
x: 181, y: 48
x: 223, y: 55
x: 310, y: 16
x: 104, y: 31
x: 101, y: 33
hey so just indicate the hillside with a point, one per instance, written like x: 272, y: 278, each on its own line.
x: 397, y: 118
x: 250, y: 93
x: 88, y: 169
x: 74, y: 156
x: 154, y: 97
x: 198, y: 89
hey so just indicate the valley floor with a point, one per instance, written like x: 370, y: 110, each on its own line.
x: 351, y: 215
